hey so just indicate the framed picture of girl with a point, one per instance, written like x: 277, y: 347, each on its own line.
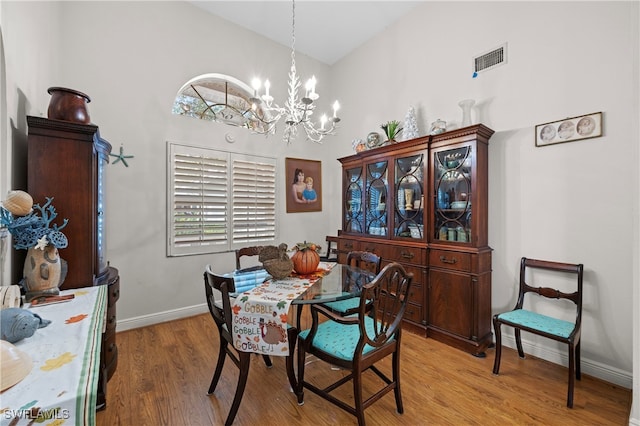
x: 303, y: 185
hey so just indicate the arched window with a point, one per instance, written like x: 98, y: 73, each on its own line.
x: 222, y: 98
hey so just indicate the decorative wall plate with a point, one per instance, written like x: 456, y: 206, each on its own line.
x: 373, y: 140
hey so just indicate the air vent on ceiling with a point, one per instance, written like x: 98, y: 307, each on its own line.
x: 491, y: 59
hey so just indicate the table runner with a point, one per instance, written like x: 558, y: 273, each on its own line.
x: 260, y: 315
x: 66, y: 355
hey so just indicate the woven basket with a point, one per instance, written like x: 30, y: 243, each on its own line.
x: 278, y: 269
x: 270, y: 253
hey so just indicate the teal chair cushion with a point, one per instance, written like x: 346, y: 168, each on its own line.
x: 340, y: 340
x: 539, y: 322
x: 345, y: 305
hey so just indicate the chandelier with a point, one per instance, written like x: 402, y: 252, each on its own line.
x: 297, y: 111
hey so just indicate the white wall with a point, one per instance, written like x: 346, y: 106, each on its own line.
x: 131, y: 58
x: 574, y: 202
x: 29, y: 60
x: 563, y: 202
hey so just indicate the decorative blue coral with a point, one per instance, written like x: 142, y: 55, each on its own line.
x: 27, y: 230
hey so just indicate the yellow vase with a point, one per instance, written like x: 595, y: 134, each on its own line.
x: 408, y: 199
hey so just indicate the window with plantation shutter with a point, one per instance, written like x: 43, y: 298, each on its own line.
x: 218, y: 201
x: 254, y: 201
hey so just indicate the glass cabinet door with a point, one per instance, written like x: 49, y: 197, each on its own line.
x: 353, y: 213
x: 452, y: 203
x: 376, y: 198
x: 101, y: 235
x: 409, y: 194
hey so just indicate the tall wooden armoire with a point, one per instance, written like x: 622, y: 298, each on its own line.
x: 67, y: 162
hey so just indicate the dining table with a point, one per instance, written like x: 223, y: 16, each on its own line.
x: 261, y: 315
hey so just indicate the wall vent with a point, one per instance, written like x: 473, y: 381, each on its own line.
x: 491, y: 59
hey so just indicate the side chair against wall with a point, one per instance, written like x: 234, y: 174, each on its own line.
x: 332, y: 250
x: 247, y: 251
x: 218, y: 286
x: 527, y: 320
x: 357, y: 342
x: 364, y: 260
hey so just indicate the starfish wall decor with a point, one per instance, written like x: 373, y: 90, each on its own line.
x: 121, y: 157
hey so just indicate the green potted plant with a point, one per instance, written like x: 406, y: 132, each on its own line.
x: 391, y: 129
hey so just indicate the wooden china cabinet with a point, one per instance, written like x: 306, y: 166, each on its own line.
x: 423, y: 203
x: 67, y: 161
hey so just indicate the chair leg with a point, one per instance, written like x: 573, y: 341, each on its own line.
x: 222, y: 356
x: 357, y: 396
x: 267, y: 361
x: 572, y: 372
x: 292, y: 335
x: 497, y: 330
x: 396, y: 379
x: 519, y: 343
x: 245, y: 361
x: 300, y: 385
x: 578, y: 375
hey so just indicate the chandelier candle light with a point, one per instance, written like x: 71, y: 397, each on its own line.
x: 296, y: 111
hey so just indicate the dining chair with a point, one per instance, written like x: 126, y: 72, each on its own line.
x: 332, y: 249
x: 247, y: 251
x: 361, y: 259
x: 357, y: 342
x: 532, y: 321
x: 219, y: 286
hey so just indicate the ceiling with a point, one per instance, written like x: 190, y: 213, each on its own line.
x: 324, y: 30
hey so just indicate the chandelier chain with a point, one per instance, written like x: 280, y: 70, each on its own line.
x: 293, y: 34
x: 296, y: 111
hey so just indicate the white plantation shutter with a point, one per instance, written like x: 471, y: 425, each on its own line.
x: 254, y: 201
x: 218, y: 199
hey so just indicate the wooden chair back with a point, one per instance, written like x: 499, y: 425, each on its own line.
x: 364, y: 260
x: 551, y: 293
x: 385, y: 301
x: 332, y: 249
x: 217, y: 290
x: 247, y: 251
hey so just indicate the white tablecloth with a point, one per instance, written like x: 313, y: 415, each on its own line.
x: 66, y: 354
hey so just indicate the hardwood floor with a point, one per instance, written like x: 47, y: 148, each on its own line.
x: 164, y: 372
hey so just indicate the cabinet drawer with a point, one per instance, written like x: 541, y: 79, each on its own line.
x: 111, y: 367
x: 450, y: 260
x: 371, y: 247
x: 415, y: 255
x: 416, y: 289
x: 114, y: 293
x: 419, y: 274
x: 416, y: 294
x: 110, y: 325
x: 413, y: 313
x: 347, y: 245
x: 109, y: 349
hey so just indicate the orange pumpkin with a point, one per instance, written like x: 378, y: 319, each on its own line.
x: 305, y: 261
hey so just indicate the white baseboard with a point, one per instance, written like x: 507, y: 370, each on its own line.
x: 158, y: 317
x: 592, y: 368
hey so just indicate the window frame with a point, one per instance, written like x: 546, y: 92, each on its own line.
x: 217, y: 202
